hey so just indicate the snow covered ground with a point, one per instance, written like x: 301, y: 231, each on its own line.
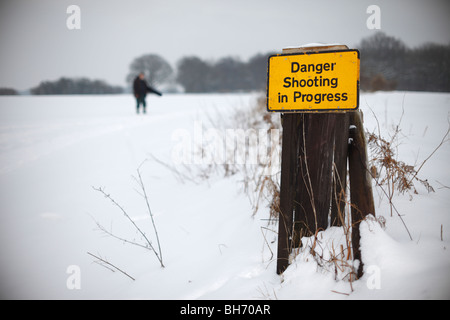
x: 54, y: 149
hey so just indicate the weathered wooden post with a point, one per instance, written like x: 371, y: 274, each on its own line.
x: 313, y: 88
x: 289, y: 158
x: 361, y: 195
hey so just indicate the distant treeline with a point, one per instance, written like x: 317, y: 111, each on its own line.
x: 75, y: 86
x: 8, y: 92
x: 225, y: 75
x: 386, y: 64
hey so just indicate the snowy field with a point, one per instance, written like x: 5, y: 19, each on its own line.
x: 55, y: 149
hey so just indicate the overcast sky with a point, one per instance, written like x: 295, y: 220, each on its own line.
x: 36, y: 45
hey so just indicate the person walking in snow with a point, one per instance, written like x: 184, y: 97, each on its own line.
x: 140, y: 89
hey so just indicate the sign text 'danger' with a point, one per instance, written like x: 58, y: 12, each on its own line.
x: 321, y: 81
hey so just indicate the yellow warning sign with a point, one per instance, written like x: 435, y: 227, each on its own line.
x: 313, y: 82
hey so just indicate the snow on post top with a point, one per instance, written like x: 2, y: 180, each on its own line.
x: 310, y: 47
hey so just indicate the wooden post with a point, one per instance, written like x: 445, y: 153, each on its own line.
x: 361, y: 195
x: 287, y: 189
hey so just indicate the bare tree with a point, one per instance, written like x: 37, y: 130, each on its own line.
x: 193, y: 74
x: 156, y: 69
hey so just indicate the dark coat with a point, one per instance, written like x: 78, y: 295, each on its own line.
x: 140, y: 88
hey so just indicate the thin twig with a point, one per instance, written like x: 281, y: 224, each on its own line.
x: 132, y: 222
x: 346, y: 294
x: 109, y: 233
x: 110, y: 264
x: 390, y: 201
x: 442, y: 186
x: 141, y: 184
x: 267, y: 243
x: 444, y: 139
x: 181, y: 177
